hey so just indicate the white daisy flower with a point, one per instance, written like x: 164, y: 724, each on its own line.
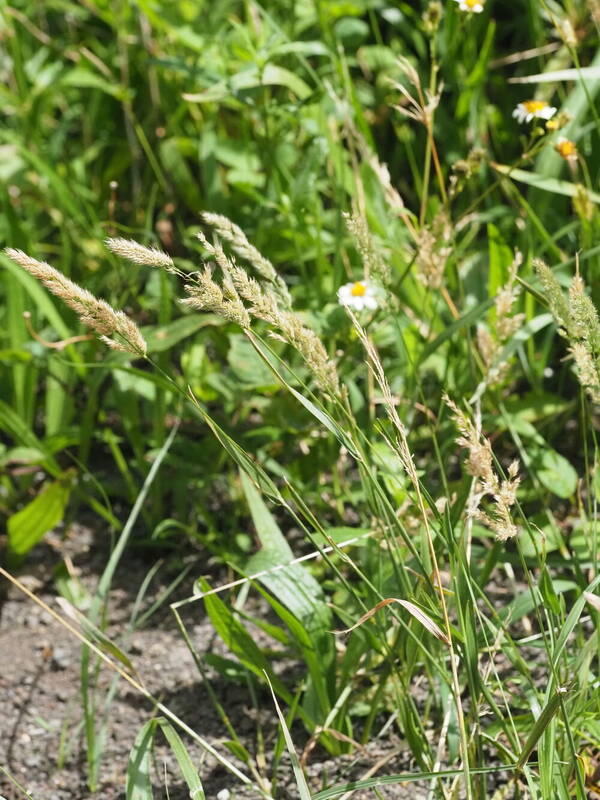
x: 533, y: 109
x: 475, y: 6
x: 358, y: 295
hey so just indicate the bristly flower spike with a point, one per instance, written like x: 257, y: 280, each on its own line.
x: 94, y: 313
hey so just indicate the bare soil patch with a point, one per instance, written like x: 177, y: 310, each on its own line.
x: 42, y: 742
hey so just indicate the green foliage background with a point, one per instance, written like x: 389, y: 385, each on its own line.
x: 131, y: 118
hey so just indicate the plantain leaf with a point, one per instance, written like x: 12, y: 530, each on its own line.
x: 162, y: 337
x: 29, y: 525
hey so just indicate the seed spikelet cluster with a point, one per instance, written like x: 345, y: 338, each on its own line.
x: 374, y: 264
x: 232, y: 233
x: 506, y: 322
x: 94, y: 313
x: 139, y: 254
x: 432, y: 246
x: 578, y: 322
x: 480, y: 464
x: 248, y: 298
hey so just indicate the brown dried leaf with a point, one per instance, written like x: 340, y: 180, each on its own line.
x: 412, y: 609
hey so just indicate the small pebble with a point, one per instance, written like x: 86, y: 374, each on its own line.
x: 137, y: 646
x: 61, y: 658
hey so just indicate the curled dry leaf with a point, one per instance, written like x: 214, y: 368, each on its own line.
x: 412, y: 609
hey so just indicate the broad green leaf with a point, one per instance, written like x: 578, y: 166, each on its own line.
x: 552, y: 469
x: 314, y: 48
x: 252, y: 78
x: 86, y: 79
x: 248, y: 367
x: 536, y: 405
x: 129, y: 383
x: 29, y: 525
x: 554, y: 472
x: 339, y: 535
x: 21, y: 455
x: 236, y: 637
x: 548, y: 541
x: 293, y: 584
x: 155, y: 378
x: 316, y: 701
x: 162, y: 337
x: 524, y: 603
x: 268, y: 531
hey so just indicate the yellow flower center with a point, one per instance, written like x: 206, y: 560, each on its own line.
x: 472, y: 3
x: 533, y: 106
x: 566, y: 148
x: 358, y: 290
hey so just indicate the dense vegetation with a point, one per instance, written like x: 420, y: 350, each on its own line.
x: 395, y: 343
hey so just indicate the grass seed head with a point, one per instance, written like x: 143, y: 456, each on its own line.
x: 94, y: 313
x: 236, y: 237
x: 139, y: 254
x: 432, y: 252
x: 480, y: 464
x: 206, y: 295
x: 375, y: 266
x: 579, y: 323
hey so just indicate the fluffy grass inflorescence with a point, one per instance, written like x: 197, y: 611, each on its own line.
x: 263, y: 302
x: 241, y: 297
x: 578, y: 322
x: 506, y: 322
x: 139, y: 254
x: 236, y: 237
x: 400, y: 189
x: 480, y: 465
x: 114, y: 328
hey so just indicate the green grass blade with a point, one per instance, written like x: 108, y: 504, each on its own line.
x: 540, y: 726
x: 138, y: 785
x: 301, y: 783
x: 548, y: 184
x: 184, y: 760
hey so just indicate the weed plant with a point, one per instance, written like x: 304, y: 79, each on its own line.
x: 330, y: 251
